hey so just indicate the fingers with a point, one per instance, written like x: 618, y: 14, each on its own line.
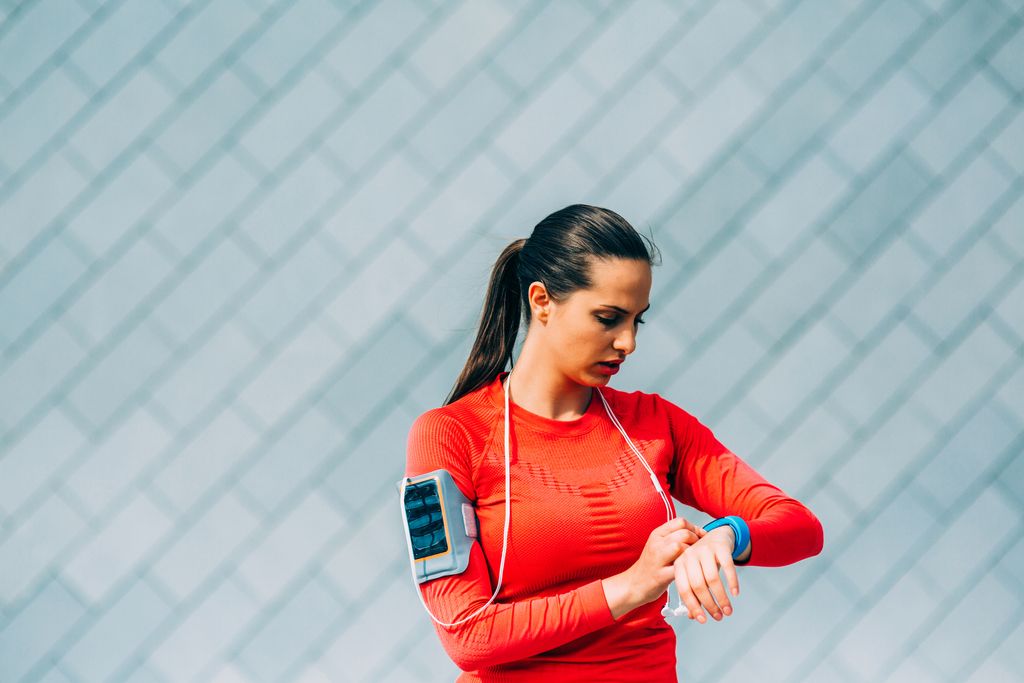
x: 674, y: 544
x: 684, y: 536
x: 686, y: 595
x: 699, y: 585
x: 729, y: 567
x: 700, y: 531
x: 720, y: 601
x: 677, y: 523
x: 695, y: 567
x: 674, y: 524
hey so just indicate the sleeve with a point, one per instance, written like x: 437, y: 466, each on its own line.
x: 503, y: 631
x: 709, y: 477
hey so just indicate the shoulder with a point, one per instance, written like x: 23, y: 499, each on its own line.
x: 653, y: 410
x: 450, y: 437
x: 643, y: 403
x: 436, y: 424
x: 624, y: 398
x: 461, y: 426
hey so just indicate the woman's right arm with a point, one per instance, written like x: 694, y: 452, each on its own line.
x: 508, y: 631
x: 503, y: 631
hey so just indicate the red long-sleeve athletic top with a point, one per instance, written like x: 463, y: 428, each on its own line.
x: 582, y: 508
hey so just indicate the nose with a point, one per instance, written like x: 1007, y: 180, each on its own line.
x: 625, y: 342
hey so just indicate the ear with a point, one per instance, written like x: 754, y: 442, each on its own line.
x: 540, y: 303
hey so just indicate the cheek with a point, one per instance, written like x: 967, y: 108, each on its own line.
x: 582, y: 340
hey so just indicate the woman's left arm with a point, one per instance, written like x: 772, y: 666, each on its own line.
x: 709, y: 477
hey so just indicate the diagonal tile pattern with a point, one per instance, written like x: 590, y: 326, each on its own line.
x: 243, y: 244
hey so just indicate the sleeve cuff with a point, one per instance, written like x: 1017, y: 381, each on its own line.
x: 596, y: 611
x: 753, y: 528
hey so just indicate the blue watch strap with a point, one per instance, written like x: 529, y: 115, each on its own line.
x: 739, y: 529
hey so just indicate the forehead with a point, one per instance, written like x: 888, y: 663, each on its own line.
x: 618, y: 281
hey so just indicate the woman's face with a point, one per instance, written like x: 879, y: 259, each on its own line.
x: 588, y: 327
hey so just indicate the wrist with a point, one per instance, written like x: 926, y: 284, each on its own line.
x: 618, y: 592
x: 743, y: 557
x: 741, y: 535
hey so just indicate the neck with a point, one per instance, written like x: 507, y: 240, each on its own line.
x: 547, y: 392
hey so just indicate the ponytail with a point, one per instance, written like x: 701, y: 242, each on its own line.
x: 499, y: 325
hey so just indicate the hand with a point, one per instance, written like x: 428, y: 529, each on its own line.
x: 651, y: 574
x: 696, y: 574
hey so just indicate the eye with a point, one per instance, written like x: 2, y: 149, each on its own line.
x: 609, y: 322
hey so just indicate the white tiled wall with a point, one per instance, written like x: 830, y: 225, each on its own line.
x: 244, y: 243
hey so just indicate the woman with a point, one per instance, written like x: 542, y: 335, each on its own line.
x: 566, y: 581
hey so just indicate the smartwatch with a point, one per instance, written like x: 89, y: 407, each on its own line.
x: 739, y: 529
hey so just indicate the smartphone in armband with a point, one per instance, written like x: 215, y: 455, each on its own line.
x: 440, y: 522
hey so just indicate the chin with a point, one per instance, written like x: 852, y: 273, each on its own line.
x: 588, y: 378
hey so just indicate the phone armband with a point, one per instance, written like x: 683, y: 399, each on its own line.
x: 441, y: 524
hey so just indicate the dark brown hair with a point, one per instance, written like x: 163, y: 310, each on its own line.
x: 558, y: 253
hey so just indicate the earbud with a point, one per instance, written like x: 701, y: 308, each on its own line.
x: 668, y: 611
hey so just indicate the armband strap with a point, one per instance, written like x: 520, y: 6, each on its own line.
x: 739, y: 529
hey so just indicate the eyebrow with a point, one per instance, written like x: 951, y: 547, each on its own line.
x: 622, y: 310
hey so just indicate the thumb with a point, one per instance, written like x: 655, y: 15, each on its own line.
x: 674, y: 524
